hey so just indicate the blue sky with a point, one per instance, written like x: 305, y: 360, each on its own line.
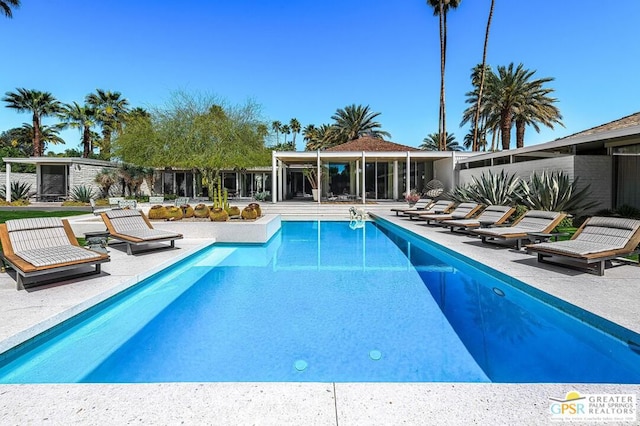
x: 305, y: 59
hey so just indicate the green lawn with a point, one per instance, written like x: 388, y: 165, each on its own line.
x: 24, y: 214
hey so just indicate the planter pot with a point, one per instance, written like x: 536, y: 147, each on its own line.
x: 314, y: 192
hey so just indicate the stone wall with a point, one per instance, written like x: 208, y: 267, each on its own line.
x: 29, y: 178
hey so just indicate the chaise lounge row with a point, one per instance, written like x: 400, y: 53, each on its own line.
x: 598, y: 241
x: 43, y: 246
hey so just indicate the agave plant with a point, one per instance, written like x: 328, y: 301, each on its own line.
x: 82, y: 193
x: 19, y: 191
x: 554, y: 191
x: 490, y: 189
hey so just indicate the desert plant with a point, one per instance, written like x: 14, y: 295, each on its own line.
x: 106, y: 179
x: 257, y: 208
x: 174, y: 213
x: 158, y: 212
x: 82, y: 193
x: 249, y: 213
x: 491, y: 189
x: 187, y: 210
x: 233, y: 211
x: 201, y: 211
x: 19, y: 191
x: 312, y: 177
x: 554, y: 191
x: 218, y: 214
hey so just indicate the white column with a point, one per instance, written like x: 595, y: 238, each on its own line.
x: 319, y: 175
x: 274, y: 180
x: 357, y: 177
x: 7, y: 186
x: 408, y: 184
x: 364, y: 187
x: 396, y: 178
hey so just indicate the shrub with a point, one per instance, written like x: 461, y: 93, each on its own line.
x: 158, y: 212
x: 257, y: 208
x: 201, y: 211
x: 249, y: 213
x: 553, y: 191
x: 82, y: 193
x: 174, y: 213
x: 218, y: 215
x: 490, y: 189
x: 19, y: 191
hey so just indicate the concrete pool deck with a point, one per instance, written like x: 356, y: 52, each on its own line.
x: 613, y: 296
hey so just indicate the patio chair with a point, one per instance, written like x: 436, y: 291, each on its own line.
x: 597, y: 242
x: 462, y: 211
x: 133, y: 228
x: 97, y: 210
x: 532, y: 222
x: 422, y: 204
x: 181, y: 201
x: 440, y: 207
x: 156, y: 200
x: 491, y: 216
x: 42, y: 246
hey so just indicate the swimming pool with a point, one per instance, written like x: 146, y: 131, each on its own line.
x: 323, y: 302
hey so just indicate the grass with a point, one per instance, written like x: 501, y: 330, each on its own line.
x: 25, y: 214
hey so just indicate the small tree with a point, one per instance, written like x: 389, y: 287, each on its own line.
x: 106, y: 179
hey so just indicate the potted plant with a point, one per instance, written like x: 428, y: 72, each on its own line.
x: 412, y: 197
x: 312, y: 177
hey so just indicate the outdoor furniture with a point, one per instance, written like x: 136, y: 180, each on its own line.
x: 440, y: 207
x: 597, y: 242
x: 127, y: 204
x: 132, y: 227
x: 531, y: 221
x: 96, y: 240
x: 41, y: 246
x: 491, y: 216
x: 462, y: 211
x: 180, y: 201
x: 422, y: 204
x: 97, y: 210
x: 156, y: 200
x: 114, y: 202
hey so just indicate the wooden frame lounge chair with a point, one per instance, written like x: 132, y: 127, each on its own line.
x: 491, y: 216
x: 598, y: 241
x: 42, y: 246
x: 462, y: 211
x: 422, y: 204
x: 532, y: 222
x: 440, y: 207
x: 133, y: 227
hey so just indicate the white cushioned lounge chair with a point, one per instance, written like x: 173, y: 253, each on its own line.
x: 532, y: 222
x: 422, y: 204
x: 440, y: 207
x: 133, y: 227
x: 491, y: 216
x: 462, y: 211
x: 597, y: 241
x: 42, y: 246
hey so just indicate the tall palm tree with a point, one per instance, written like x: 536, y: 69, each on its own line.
x: 40, y: 104
x: 276, y: 126
x: 83, y: 118
x: 111, y: 112
x: 295, y: 127
x: 6, y: 5
x: 536, y: 108
x: 355, y: 121
x: 482, y: 78
x: 440, y: 9
x: 286, y: 130
x: 432, y: 143
x: 48, y: 134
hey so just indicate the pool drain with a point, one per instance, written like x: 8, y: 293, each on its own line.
x: 375, y: 355
x: 300, y: 365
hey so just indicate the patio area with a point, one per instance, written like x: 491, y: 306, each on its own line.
x: 612, y: 296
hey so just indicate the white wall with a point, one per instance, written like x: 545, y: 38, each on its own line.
x: 444, y: 171
x: 29, y: 178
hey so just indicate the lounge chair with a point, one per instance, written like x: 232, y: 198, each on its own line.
x: 156, y: 200
x: 597, y: 241
x: 440, y: 207
x: 532, y: 222
x: 181, y: 201
x: 462, y: 211
x: 422, y: 204
x: 42, y: 246
x: 491, y: 216
x: 97, y: 210
x: 133, y: 227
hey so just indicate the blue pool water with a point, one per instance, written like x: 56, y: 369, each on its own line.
x: 324, y: 302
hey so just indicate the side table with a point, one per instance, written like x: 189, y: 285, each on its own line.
x: 96, y: 240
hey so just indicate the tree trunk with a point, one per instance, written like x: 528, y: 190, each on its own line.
x: 442, y: 95
x: 441, y: 128
x: 105, y: 148
x: 37, y: 147
x: 86, y: 141
x: 505, y: 128
x: 520, y: 126
x: 482, y: 73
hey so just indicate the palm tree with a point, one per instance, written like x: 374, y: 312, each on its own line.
x: 286, y: 130
x: 482, y: 77
x: 111, y: 111
x: 276, y: 126
x: 295, y: 127
x: 355, y: 121
x: 440, y: 9
x: 40, y: 104
x: 6, y: 5
x: 432, y: 143
x: 48, y: 134
x: 486, y: 121
x: 535, y: 108
x: 81, y: 117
